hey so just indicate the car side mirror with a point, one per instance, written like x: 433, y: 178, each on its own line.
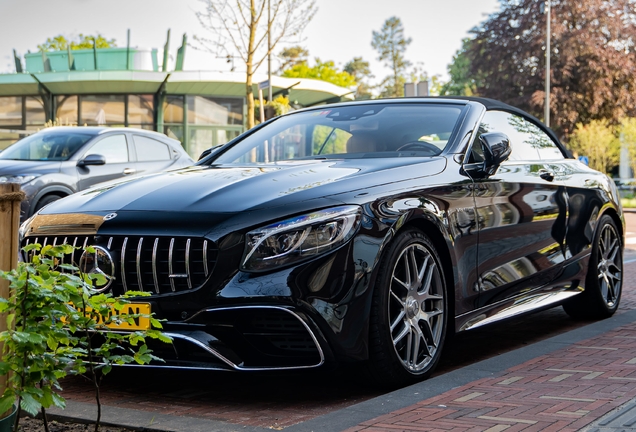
x: 92, y: 159
x: 496, y: 148
x: 208, y: 152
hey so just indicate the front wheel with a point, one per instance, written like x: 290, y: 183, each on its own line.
x: 409, y: 312
x: 603, y: 284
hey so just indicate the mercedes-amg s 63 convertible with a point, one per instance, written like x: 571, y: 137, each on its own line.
x: 359, y: 232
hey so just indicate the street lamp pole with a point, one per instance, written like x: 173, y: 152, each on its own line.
x: 269, y: 52
x: 547, y: 66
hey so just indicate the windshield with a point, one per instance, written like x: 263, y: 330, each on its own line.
x: 45, y: 146
x: 356, y: 131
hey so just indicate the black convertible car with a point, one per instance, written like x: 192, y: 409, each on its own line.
x: 359, y: 232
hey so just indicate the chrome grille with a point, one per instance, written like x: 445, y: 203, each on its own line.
x: 159, y: 265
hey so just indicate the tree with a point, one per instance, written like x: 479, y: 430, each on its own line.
x: 290, y: 57
x: 60, y: 43
x: 325, y: 71
x: 462, y: 81
x: 243, y: 26
x: 361, y: 72
x: 391, y: 45
x: 592, y: 59
x: 598, y: 142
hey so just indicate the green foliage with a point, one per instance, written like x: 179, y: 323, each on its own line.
x: 278, y: 106
x: 598, y: 141
x: 391, y: 45
x: 462, y: 79
x: 60, y: 43
x: 361, y: 72
x: 57, y: 325
x: 325, y: 71
x: 292, y: 56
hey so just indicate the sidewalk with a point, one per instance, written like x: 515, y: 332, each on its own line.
x: 569, y: 382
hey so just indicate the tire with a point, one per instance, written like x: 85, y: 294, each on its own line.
x: 409, y: 314
x: 603, y: 283
x: 45, y: 200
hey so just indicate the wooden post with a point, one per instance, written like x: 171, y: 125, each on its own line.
x: 10, y: 197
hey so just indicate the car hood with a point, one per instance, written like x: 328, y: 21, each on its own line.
x: 230, y: 189
x: 16, y: 167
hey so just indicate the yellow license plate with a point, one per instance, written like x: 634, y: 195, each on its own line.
x: 138, y: 323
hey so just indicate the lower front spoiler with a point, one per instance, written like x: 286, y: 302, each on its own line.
x: 243, y: 338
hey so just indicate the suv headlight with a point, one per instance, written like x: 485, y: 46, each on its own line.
x: 299, y: 238
x: 19, y: 179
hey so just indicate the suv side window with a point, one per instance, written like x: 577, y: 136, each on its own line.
x: 114, y: 148
x: 149, y: 149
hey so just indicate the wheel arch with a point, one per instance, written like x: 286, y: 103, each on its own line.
x: 59, y: 190
x: 618, y: 220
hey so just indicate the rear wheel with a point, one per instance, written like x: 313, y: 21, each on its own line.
x: 603, y: 284
x: 409, y: 312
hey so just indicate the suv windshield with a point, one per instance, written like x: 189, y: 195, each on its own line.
x: 45, y: 146
x: 356, y: 131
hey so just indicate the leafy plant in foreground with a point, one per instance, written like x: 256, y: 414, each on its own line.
x: 57, y: 325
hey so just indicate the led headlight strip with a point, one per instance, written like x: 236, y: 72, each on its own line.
x: 299, y: 238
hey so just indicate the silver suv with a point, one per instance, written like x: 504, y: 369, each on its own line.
x: 57, y: 162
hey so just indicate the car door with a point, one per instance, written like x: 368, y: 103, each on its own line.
x: 115, y: 149
x: 521, y: 212
x: 152, y: 155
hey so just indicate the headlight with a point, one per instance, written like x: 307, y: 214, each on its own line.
x: 19, y: 179
x: 299, y: 238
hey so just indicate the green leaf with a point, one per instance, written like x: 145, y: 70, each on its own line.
x: 30, y: 405
x: 6, y: 402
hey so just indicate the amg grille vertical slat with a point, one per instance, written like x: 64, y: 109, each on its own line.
x: 205, y: 258
x: 123, y: 264
x: 145, y: 263
x: 85, y: 243
x: 138, y: 260
x: 187, y: 263
x: 46, y: 239
x: 154, y: 265
x: 170, y: 273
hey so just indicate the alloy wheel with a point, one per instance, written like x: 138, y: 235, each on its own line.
x: 416, y: 307
x: 610, y: 263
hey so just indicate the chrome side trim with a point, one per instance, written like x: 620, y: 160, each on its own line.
x: 518, y: 307
x: 138, y: 262
x: 154, y: 265
x: 123, y: 264
x: 237, y: 367
x: 187, y: 263
x: 205, y: 257
x: 170, y: 263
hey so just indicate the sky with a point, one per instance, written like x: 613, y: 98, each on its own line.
x: 339, y: 31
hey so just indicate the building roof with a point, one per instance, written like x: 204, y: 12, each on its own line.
x: 304, y: 91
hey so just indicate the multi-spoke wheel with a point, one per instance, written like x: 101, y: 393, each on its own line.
x: 409, y: 315
x: 604, y: 277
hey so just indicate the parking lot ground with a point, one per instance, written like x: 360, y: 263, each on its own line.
x: 539, y: 372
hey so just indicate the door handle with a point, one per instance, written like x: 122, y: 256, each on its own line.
x: 546, y: 175
x: 128, y: 171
